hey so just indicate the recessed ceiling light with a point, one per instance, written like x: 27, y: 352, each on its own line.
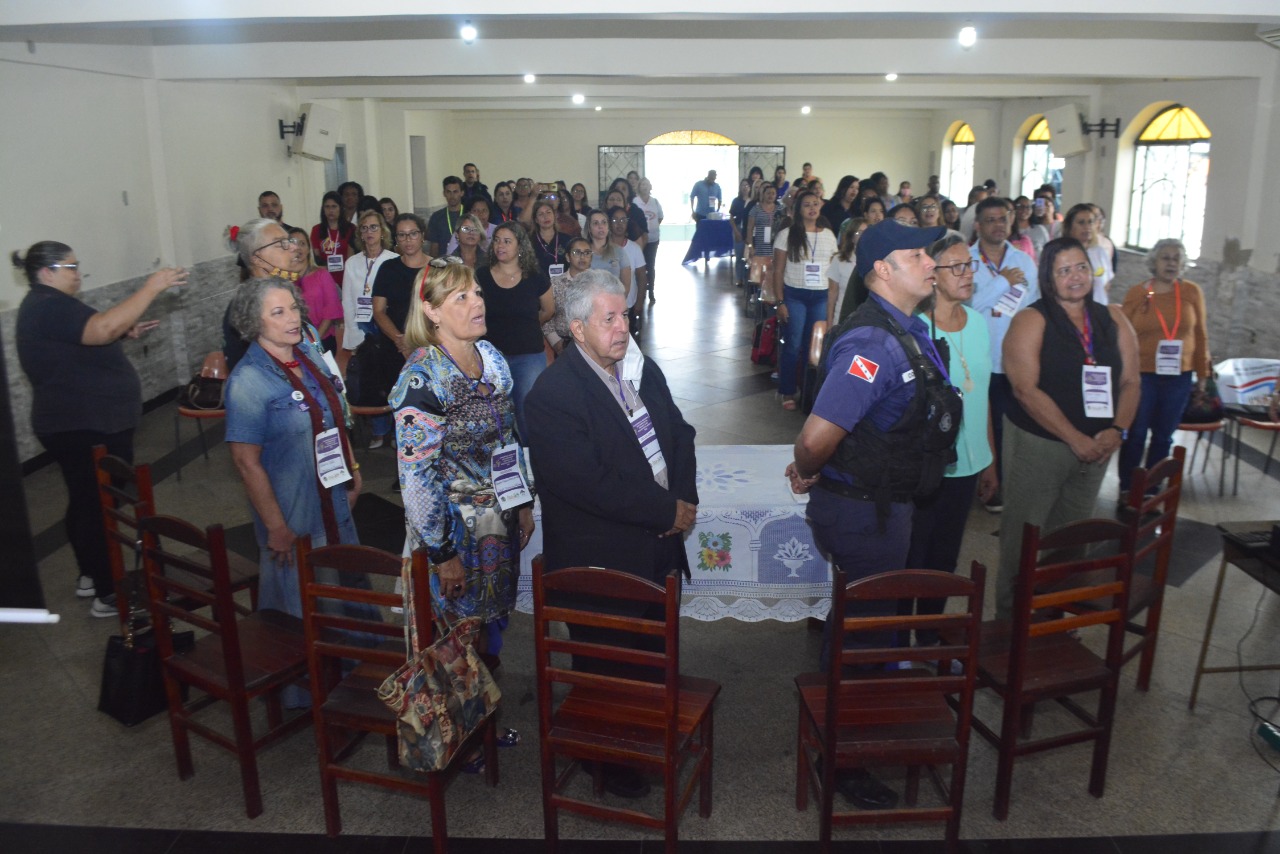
x: 530, y: 78
x: 805, y: 110
x: 468, y: 32
x: 579, y: 98
x: 968, y: 36
x: 599, y: 108
x: 891, y: 76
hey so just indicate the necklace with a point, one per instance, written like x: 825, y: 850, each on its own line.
x: 964, y: 363
x: 291, y: 365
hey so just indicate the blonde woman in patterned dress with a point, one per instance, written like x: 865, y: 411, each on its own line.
x: 453, y: 410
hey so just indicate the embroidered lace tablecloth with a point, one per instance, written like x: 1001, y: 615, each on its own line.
x: 751, y: 553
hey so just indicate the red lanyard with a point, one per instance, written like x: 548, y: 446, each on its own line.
x: 1086, y: 339
x: 1177, y: 312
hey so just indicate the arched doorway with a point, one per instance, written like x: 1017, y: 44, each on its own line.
x: 676, y: 160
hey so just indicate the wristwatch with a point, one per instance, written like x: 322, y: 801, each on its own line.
x: 1124, y: 434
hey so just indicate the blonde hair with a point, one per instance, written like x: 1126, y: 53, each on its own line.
x: 434, y: 285
x: 384, y: 233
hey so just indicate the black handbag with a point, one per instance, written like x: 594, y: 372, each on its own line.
x: 203, y: 393
x: 132, y: 686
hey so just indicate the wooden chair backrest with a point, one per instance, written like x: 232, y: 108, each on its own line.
x: 121, y: 488
x: 1155, y: 517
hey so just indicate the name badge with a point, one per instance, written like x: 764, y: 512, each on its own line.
x: 1095, y: 387
x: 335, y: 263
x: 331, y: 466
x: 812, y: 275
x: 1009, y: 302
x: 642, y: 424
x: 555, y: 270
x: 1169, y: 358
x: 768, y: 233
x: 508, y: 481
x: 364, y: 309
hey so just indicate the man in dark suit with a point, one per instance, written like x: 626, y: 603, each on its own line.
x: 613, y: 460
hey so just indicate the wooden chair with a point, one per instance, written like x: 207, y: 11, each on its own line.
x: 121, y: 489
x: 1038, y: 656
x: 655, y: 726
x: 346, y: 707
x: 239, y: 660
x: 911, y: 718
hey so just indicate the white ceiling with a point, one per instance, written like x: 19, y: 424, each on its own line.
x: 685, y: 55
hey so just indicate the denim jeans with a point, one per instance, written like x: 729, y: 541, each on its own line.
x: 804, y: 308
x: 525, y: 369
x: 1164, y: 400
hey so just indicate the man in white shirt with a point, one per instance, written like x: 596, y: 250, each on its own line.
x: 1004, y: 283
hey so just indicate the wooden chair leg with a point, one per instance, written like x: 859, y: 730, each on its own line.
x: 912, y: 792
x: 1146, y: 662
x: 275, y: 713
x: 802, y: 767
x: 439, y: 828
x: 245, y: 756
x: 708, y: 738
x: 550, y: 818
x: 1009, y: 727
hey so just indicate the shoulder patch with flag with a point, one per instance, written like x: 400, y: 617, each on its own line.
x: 864, y: 369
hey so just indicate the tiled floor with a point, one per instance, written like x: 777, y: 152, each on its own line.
x: 74, y: 780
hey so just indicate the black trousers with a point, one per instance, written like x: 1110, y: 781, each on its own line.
x: 650, y: 256
x: 73, y: 452
x: 937, y: 528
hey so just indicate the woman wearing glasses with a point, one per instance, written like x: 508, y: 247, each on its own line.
x: 547, y: 241
x: 470, y: 243
x: 84, y: 390
x: 357, y: 300
x: 1073, y: 365
x: 938, y: 520
x: 320, y: 296
x: 556, y: 330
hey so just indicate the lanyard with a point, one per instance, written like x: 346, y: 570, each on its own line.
x: 935, y: 357
x: 448, y: 220
x: 504, y: 217
x: 488, y: 398
x: 622, y: 396
x: 330, y: 245
x: 1086, y: 338
x: 1177, y: 312
x: 368, y: 271
x: 555, y: 256
x: 995, y: 271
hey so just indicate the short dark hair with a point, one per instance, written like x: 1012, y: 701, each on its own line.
x: 39, y: 256
x: 472, y: 165
x: 991, y: 202
x: 266, y: 193
x: 1049, y: 258
x: 413, y: 218
x: 451, y: 179
x: 342, y: 188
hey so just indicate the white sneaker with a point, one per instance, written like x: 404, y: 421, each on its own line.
x: 105, y: 607
x: 84, y: 588
x: 377, y: 442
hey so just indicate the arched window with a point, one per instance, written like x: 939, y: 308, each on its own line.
x: 1170, y: 179
x: 960, y: 175
x: 1039, y: 166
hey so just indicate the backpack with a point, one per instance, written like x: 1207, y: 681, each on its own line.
x: 764, y: 345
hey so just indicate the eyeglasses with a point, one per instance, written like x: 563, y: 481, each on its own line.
x: 929, y: 208
x: 970, y: 266
x: 441, y: 263
x: 615, y: 221
x: 466, y: 229
x: 370, y: 228
x: 75, y: 266
x: 580, y: 253
x: 408, y: 235
x: 1084, y: 269
x: 550, y: 198
x: 286, y: 242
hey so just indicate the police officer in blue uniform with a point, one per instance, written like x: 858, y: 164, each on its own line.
x: 882, y: 429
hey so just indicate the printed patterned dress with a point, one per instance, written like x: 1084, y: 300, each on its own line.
x: 447, y: 427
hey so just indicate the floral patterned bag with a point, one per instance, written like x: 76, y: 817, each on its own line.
x: 440, y: 697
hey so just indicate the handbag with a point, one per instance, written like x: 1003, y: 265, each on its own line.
x: 132, y: 687
x: 208, y: 387
x: 1203, y: 407
x: 440, y: 697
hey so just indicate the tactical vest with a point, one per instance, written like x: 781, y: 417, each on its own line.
x: 911, y: 457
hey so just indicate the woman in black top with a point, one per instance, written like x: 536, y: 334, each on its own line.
x: 1073, y: 365
x: 518, y: 301
x: 547, y: 243
x: 84, y: 390
x: 837, y: 208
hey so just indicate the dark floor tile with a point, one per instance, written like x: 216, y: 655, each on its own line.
x: 1065, y: 845
x: 1254, y: 843
x: 217, y: 842
x: 41, y: 838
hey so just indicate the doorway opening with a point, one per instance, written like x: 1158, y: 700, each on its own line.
x: 675, y: 161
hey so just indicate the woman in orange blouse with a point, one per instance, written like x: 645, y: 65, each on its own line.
x: 1168, y: 314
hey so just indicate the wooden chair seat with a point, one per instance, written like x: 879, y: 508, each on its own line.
x: 1056, y: 664
x: 273, y: 654
x: 239, y: 660
x: 345, y: 705
x: 596, y: 720
x: 858, y: 714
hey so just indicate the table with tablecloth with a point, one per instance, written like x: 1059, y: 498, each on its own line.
x: 710, y: 237
x: 751, y: 553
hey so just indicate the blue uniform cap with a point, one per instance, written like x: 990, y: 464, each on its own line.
x: 889, y: 235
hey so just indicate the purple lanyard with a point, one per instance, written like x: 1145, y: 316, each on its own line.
x: 488, y: 398
x: 617, y: 379
x: 935, y: 357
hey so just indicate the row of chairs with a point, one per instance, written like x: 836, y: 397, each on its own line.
x: 855, y: 714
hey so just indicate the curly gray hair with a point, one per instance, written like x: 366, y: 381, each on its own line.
x: 580, y: 294
x: 246, y: 305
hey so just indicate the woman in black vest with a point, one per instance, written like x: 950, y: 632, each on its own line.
x: 1073, y: 364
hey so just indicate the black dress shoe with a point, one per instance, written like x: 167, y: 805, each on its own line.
x: 620, y: 780
x: 863, y: 790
